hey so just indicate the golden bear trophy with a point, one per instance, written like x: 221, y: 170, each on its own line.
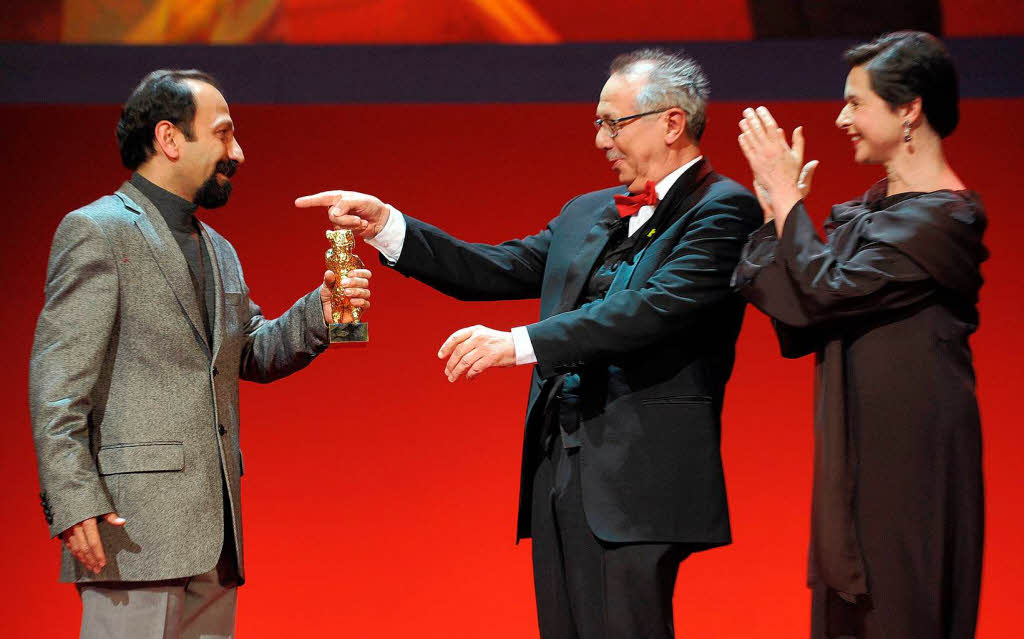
x: 342, y: 260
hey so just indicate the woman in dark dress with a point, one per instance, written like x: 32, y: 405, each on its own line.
x: 886, y: 303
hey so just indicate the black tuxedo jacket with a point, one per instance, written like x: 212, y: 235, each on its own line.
x: 653, y: 355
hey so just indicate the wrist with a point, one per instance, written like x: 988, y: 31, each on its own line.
x: 509, y: 350
x: 382, y: 220
x: 784, y: 199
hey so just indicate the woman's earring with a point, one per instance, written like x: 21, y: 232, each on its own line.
x: 906, y: 131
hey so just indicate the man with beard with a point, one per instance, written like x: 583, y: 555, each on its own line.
x: 146, y: 330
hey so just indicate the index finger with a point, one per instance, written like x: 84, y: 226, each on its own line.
x: 798, y: 143
x: 324, y: 198
x: 92, y: 537
x: 454, y: 340
x: 80, y: 547
x: 77, y: 545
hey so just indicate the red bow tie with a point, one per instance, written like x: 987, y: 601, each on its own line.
x: 630, y: 204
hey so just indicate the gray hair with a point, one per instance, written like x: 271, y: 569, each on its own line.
x: 673, y: 80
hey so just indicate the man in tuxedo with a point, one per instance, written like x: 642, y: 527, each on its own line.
x: 146, y: 330
x: 622, y: 476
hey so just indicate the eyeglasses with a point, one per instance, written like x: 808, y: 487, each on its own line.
x: 615, y: 125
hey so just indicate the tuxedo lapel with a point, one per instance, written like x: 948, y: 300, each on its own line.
x: 583, y: 263
x: 686, y: 191
x: 679, y: 198
x: 624, y: 274
x: 167, y: 253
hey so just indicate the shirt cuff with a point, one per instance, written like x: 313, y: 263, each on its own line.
x: 523, y: 346
x: 391, y: 238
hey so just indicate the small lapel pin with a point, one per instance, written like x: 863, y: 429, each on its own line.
x: 652, y: 232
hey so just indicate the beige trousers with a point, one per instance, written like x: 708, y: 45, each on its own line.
x: 198, y: 607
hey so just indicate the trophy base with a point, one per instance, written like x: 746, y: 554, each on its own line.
x: 349, y: 333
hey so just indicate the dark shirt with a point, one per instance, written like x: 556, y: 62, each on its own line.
x: 179, y: 214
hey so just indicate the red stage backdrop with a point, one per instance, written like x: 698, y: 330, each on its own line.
x: 398, y: 520
x: 441, y: 21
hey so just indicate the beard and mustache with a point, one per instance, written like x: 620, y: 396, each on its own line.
x: 212, y: 194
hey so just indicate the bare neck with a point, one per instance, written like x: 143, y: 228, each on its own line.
x: 921, y: 166
x: 675, y: 159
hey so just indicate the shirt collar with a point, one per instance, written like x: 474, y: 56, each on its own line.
x: 665, y: 185
x: 177, y: 211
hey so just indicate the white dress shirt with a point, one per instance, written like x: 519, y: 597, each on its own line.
x: 391, y: 238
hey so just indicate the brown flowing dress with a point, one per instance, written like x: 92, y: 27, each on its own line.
x: 886, y: 304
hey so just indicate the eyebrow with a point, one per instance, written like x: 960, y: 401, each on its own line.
x: 225, y: 121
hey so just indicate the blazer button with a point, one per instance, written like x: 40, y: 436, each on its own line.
x: 223, y: 431
x: 215, y: 371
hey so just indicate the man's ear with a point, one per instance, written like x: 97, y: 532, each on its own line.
x: 676, y: 119
x: 167, y: 140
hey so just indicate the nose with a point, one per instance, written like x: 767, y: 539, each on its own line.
x: 602, y: 140
x: 236, y: 152
x: 843, y: 119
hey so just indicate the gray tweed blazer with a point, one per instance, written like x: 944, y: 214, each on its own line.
x: 132, y: 410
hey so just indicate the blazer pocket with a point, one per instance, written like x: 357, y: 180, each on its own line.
x: 677, y: 399
x: 233, y: 298
x: 144, y: 457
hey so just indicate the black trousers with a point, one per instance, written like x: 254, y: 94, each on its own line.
x: 587, y: 588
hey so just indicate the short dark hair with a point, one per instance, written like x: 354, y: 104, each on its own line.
x: 908, y: 64
x: 162, y: 95
x: 673, y: 80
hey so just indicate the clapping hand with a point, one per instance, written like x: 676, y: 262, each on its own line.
x: 781, y: 179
